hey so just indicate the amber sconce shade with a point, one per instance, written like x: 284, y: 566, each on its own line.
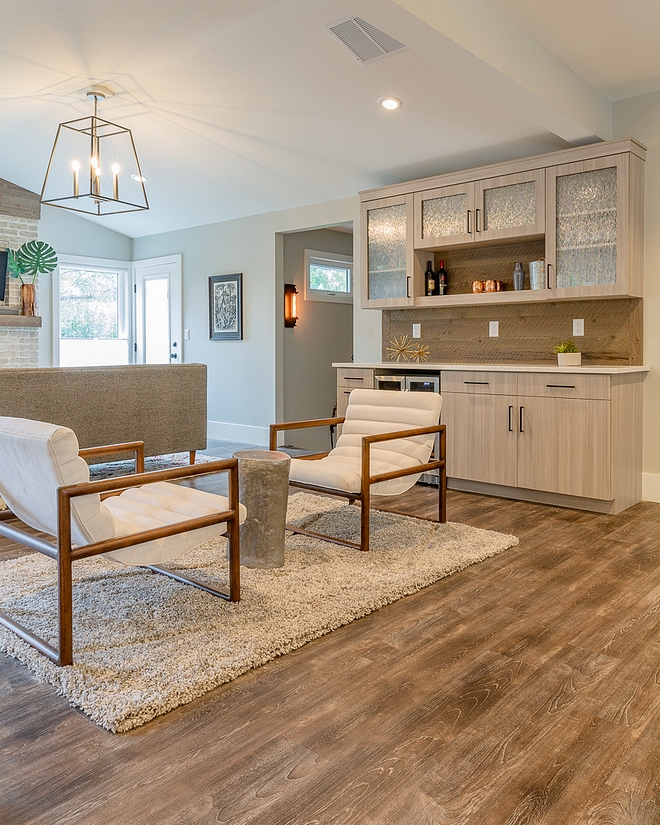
x: 290, y: 305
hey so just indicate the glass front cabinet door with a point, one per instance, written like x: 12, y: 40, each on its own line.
x: 387, y: 227
x: 594, y: 239
x: 508, y: 207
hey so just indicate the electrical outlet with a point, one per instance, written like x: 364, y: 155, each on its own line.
x: 494, y: 329
x: 417, y: 331
x: 578, y: 326
x: 186, y: 335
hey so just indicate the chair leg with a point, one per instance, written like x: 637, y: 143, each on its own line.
x: 364, y: 519
x: 65, y: 611
x: 193, y: 453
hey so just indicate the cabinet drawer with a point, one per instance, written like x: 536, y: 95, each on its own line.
x: 564, y: 385
x: 490, y: 383
x: 355, y: 377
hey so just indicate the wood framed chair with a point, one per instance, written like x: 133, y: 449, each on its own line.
x: 385, y: 445
x: 140, y: 519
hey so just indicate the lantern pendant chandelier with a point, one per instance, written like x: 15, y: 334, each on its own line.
x: 93, y: 162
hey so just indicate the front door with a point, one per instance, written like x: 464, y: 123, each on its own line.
x: 158, y: 318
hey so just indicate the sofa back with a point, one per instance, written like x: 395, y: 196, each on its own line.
x: 163, y: 405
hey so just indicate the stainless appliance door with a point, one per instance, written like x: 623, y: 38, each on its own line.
x: 390, y: 382
x: 423, y: 383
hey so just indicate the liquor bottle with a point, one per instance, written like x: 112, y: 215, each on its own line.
x: 430, y: 281
x: 442, y: 280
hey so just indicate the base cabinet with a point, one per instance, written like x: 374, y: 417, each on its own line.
x: 571, y: 435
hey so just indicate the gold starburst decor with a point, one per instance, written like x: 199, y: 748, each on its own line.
x: 420, y: 353
x: 401, y: 349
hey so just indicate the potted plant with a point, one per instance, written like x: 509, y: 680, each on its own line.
x: 25, y: 263
x: 568, y: 354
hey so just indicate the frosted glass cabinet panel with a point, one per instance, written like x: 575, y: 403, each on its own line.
x: 511, y: 206
x: 590, y: 226
x: 387, y: 227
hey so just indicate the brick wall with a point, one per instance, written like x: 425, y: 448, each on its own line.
x: 19, y: 347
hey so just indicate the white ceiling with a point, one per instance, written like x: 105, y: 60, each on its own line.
x: 240, y: 108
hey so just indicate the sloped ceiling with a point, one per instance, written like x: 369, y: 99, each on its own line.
x: 244, y: 108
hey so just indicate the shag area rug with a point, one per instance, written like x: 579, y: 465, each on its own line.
x: 144, y: 644
x: 112, y: 469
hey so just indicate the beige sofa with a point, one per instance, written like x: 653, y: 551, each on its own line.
x: 163, y: 405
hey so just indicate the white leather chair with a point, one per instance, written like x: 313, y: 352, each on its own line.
x: 385, y: 445
x: 141, y: 519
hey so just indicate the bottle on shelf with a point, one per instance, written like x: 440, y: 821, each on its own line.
x: 430, y: 281
x: 442, y: 280
x: 518, y: 276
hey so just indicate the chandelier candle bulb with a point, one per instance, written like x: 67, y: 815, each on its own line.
x: 115, y: 181
x: 76, y: 178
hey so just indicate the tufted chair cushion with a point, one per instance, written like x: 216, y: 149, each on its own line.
x: 370, y: 412
x: 36, y: 458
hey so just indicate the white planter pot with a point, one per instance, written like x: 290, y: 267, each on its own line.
x: 569, y: 359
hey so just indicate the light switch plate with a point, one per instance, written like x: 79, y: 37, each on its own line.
x: 186, y: 335
x: 494, y: 329
x: 417, y: 331
x: 578, y: 326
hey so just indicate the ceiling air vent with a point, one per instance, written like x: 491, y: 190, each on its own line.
x: 364, y: 41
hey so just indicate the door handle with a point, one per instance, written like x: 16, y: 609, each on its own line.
x: 520, y: 422
x: 469, y: 215
x: 510, y: 422
x: 476, y: 220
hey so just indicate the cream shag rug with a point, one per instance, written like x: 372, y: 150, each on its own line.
x: 144, y: 644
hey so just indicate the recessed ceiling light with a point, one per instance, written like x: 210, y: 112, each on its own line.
x: 390, y: 103
x: 139, y: 178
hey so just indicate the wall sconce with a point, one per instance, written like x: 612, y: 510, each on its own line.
x: 290, y: 305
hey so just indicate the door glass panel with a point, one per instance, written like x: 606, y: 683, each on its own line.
x: 387, y: 236
x: 509, y: 206
x: 443, y: 217
x: 156, y: 321
x: 587, y: 228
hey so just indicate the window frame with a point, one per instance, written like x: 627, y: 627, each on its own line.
x: 125, y: 326
x: 313, y: 256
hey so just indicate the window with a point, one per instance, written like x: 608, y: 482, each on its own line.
x: 328, y: 277
x: 92, y: 308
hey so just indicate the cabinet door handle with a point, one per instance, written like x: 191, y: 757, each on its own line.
x: 562, y: 386
x: 510, y: 422
x: 408, y: 286
x: 484, y: 383
x: 547, y: 274
x: 520, y: 422
x: 347, y: 392
x: 476, y: 220
x: 353, y: 378
x: 469, y: 215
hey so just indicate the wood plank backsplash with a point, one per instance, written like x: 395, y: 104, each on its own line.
x: 528, y: 332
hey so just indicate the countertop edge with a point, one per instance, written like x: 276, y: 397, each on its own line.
x: 408, y: 367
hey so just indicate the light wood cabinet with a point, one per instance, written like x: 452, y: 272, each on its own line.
x: 594, y: 237
x: 348, y: 379
x: 388, y: 258
x: 577, y: 436
x: 500, y: 208
x: 586, y: 204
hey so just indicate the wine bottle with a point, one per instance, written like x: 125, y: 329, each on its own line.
x: 430, y: 281
x: 442, y: 280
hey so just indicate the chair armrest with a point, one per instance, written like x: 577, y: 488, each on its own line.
x: 299, y: 425
x: 368, y: 440
x: 135, y: 447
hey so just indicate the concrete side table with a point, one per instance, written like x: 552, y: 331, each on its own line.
x: 263, y: 481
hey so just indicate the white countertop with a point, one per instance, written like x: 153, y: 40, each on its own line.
x: 407, y: 366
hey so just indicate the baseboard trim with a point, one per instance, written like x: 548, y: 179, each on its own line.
x: 238, y: 432
x: 651, y: 487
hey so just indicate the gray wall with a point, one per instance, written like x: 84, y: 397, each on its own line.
x: 323, y: 334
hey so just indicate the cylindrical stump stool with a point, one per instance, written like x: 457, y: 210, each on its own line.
x: 263, y: 481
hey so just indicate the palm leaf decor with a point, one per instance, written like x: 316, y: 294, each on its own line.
x: 36, y: 258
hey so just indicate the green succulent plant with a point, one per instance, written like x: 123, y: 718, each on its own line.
x: 31, y: 259
x: 566, y: 346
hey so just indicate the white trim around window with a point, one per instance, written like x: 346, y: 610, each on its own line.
x: 332, y: 260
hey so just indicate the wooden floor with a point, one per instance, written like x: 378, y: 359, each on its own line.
x: 525, y: 689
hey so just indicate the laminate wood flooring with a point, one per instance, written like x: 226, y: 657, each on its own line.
x: 525, y: 689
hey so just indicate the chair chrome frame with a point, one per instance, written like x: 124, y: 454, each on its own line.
x: 62, y: 551
x: 366, y: 478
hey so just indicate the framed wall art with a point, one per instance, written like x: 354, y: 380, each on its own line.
x: 226, y: 307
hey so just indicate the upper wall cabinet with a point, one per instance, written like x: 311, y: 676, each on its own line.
x: 388, y: 257
x: 501, y: 208
x: 581, y: 208
x: 594, y: 239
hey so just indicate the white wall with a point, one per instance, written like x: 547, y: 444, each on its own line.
x: 245, y: 377
x: 70, y: 234
x: 639, y: 117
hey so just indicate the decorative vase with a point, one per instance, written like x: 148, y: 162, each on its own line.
x: 27, y: 299
x: 569, y: 359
